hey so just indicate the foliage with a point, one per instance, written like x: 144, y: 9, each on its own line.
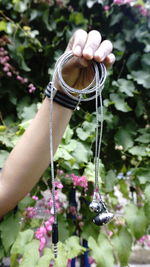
x: 32, y: 36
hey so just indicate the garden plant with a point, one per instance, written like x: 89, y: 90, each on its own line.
x: 33, y: 34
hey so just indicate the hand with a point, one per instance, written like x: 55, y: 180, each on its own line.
x: 78, y: 72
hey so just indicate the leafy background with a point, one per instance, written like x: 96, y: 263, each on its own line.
x: 33, y: 34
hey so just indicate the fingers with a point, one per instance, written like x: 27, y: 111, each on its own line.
x: 103, y: 51
x: 92, y: 43
x: 88, y: 46
x: 77, y: 42
x: 109, y: 60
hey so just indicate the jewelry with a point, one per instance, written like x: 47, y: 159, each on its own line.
x: 92, y: 91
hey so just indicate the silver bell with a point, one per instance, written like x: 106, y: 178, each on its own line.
x: 103, y: 218
x: 96, y: 206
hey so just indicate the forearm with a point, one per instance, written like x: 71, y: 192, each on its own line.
x: 30, y: 157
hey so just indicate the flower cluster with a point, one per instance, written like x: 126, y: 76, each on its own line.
x: 10, y: 71
x: 80, y: 181
x: 42, y: 233
x: 58, y: 203
x: 44, y: 210
x: 144, y: 241
x: 123, y: 2
x: 143, y: 9
x: 31, y: 212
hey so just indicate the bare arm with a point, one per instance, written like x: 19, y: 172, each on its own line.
x: 30, y: 157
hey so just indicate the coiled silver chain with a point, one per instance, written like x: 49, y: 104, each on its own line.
x: 92, y: 91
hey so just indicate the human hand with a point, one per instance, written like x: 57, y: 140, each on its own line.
x: 78, y: 72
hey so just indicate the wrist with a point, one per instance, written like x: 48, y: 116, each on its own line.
x: 61, y: 98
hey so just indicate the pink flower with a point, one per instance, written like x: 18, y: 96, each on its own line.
x: 31, y: 212
x: 42, y: 243
x: 58, y: 184
x: 73, y: 210
x: 106, y: 8
x: 60, y: 172
x: 51, y: 219
x: 123, y: 2
x: 35, y: 197
x: 9, y: 74
x: 91, y: 260
x: 40, y: 232
x: 79, y: 181
x: 48, y: 226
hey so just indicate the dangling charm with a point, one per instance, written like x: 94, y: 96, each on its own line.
x: 98, y: 206
x: 103, y: 218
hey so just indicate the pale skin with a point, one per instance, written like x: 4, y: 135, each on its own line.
x: 30, y: 157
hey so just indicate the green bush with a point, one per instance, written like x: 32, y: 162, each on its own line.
x: 33, y: 34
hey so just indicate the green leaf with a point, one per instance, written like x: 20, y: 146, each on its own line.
x: 3, y: 25
x: 147, y: 193
x: 138, y: 151
x: 87, y: 130
x: 73, y: 247
x: 44, y: 261
x: 20, y: 6
x: 89, y: 172
x: 145, y: 60
x: 67, y: 135
x: 133, y: 60
x: 142, y: 174
x: 25, y: 202
x: 100, y: 249
x: 29, y: 113
x: 119, y: 103
x: 9, y: 228
x: 82, y: 134
x: 62, y: 257
x: 88, y: 230
x: 115, y: 19
x: 122, y: 243
x: 77, y: 18
x: 31, y: 254
x: 22, y: 63
x: 62, y: 153
x: 6, y: 139
x: 2, y: 253
x: 22, y: 239
x: 145, y: 138
x: 123, y: 138
x: 110, y: 181
x: 142, y: 78
x: 140, y: 107
x: 3, y: 156
x: 136, y: 220
x: 125, y: 86
x: 147, y: 210
x: 81, y: 153
x: 63, y: 228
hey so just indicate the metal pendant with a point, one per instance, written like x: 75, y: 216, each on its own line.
x: 103, y: 218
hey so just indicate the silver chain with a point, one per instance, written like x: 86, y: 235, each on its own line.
x: 95, y: 87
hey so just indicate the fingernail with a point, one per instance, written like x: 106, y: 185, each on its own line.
x: 101, y: 56
x: 77, y: 50
x: 88, y: 52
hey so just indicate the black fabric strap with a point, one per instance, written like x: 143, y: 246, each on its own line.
x: 66, y: 101
x: 62, y: 99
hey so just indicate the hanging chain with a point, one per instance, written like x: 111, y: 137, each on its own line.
x: 95, y: 87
